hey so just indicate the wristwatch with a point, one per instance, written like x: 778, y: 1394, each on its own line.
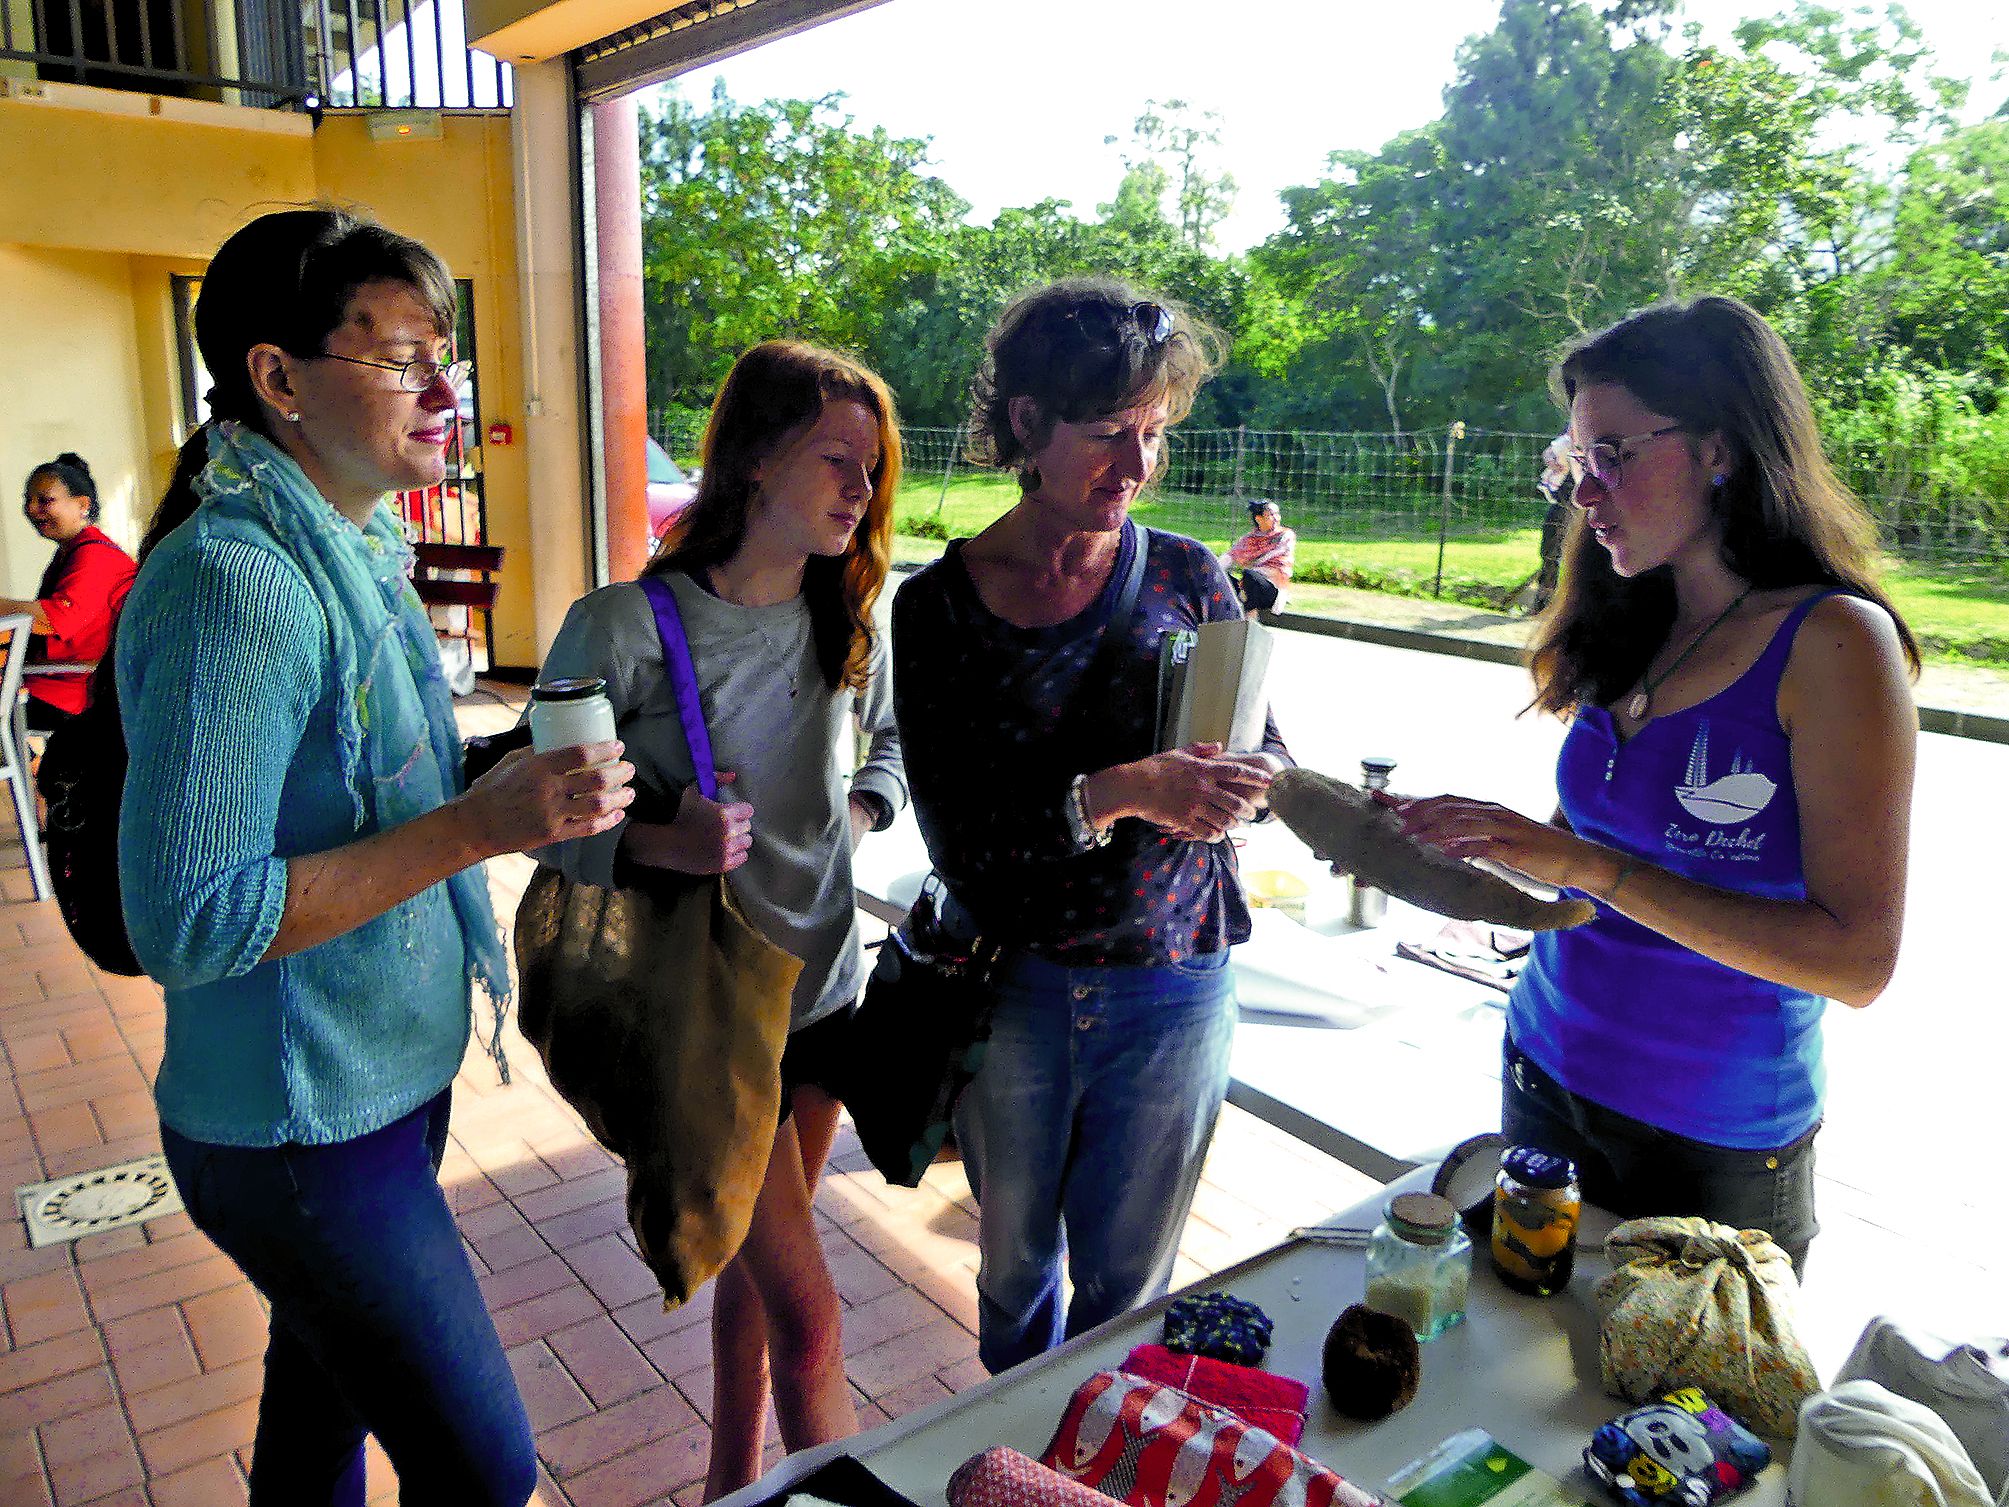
x: 1086, y: 833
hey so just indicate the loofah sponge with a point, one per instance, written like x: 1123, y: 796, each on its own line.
x: 1371, y: 1364
x: 1349, y: 829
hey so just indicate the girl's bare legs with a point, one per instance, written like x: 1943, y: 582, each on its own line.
x: 775, y: 1306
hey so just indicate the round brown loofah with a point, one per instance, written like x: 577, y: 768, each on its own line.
x: 1372, y: 1363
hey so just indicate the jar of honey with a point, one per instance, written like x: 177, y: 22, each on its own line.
x: 1536, y: 1206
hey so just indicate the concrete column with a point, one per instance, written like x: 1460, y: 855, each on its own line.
x: 543, y: 161
x: 624, y: 410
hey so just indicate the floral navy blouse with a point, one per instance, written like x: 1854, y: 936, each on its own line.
x: 997, y: 720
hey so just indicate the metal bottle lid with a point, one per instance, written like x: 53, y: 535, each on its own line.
x: 575, y: 689
x: 1532, y: 1167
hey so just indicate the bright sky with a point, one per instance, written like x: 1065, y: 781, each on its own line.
x: 1019, y: 94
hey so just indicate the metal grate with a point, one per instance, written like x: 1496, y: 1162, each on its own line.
x: 90, y: 1203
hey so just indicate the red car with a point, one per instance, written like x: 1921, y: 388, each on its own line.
x: 670, y: 491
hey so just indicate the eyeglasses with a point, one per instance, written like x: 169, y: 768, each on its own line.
x: 1604, y: 462
x: 1152, y: 321
x: 415, y: 376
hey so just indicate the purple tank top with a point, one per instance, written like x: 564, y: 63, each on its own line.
x: 1621, y: 1015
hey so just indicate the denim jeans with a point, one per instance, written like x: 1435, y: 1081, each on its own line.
x: 1635, y: 1169
x: 377, y: 1324
x: 1083, y: 1136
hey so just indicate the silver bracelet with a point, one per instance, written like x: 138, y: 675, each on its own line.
x: 1086, y: 833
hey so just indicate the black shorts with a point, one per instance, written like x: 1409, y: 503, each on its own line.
x: 813, y: 1056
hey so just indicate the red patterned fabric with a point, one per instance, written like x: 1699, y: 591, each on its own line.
x: 1003, y: 1477
x: 1263, y: 1398
x: 1151, y: 1445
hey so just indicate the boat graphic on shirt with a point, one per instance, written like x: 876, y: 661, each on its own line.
x: 1734, y: 797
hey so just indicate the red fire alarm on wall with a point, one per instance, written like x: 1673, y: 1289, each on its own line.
x: 500, y: 433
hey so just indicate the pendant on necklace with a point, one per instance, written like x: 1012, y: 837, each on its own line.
x: 1636, y: 708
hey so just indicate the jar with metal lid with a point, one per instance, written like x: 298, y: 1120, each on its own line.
x: 1536, y: 1206
x: 1419, y: 1264
x: 1366, y: 905
x: 564, y: 713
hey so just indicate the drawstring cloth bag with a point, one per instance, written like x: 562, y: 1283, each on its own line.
x: 1692, y: 1303
x: 661, y: 1014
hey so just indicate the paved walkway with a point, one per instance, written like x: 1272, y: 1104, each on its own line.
x: 130, y: 1361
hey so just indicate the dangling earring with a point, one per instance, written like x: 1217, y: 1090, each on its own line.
x: 1028, y: 480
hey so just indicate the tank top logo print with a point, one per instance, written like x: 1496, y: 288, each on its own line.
x: 1719, y: 799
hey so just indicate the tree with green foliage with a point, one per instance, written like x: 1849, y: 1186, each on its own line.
x: 776, y: 219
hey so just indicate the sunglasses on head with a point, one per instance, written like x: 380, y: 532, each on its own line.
x: 1152, y: 321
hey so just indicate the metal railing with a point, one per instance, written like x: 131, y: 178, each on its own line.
x: 205, y: 49
x: 301, y: 54
x: 396, y: 54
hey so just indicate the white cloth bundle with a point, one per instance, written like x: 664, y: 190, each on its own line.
x: 1967, y: 1385
x: 1863, y: 1445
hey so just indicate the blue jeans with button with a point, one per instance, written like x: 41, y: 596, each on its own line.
x: 1083, y: 1136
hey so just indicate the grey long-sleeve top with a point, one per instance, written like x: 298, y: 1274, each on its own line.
x: 779, y: 727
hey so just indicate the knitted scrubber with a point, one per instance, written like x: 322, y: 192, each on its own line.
x: 1216, y: 1325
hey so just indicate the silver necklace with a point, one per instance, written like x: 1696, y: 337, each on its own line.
x: 786, y: 657
x: 1642, y: 700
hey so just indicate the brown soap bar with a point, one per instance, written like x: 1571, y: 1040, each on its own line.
x: 1371, y: 1364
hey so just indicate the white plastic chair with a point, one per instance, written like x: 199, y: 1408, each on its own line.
x: 14, y: 749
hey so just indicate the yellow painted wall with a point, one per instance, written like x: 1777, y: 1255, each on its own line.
x: 68, y: 318
x: 455, y: 194
x: 86, y: 301
x: 96, y: 170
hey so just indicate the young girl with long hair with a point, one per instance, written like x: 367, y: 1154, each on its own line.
x: 1735, y: 785
x: 776, y: 565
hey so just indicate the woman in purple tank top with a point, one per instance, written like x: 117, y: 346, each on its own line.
x: 1735, y: 787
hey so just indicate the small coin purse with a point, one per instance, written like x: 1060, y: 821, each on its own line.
x: 1678, y: 1451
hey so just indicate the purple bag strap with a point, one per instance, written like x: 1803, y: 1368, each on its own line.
x: 683, y: 681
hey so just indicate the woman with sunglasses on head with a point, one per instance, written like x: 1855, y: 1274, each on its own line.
x: 1735, y: 784
x: 1027, y: 676
x: 302, y: 869
x: 775, y: 565
x: 81, y: 591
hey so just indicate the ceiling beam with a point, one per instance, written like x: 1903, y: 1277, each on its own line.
x: 697, y: 35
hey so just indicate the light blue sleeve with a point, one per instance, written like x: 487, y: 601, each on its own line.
x: 220, y: 662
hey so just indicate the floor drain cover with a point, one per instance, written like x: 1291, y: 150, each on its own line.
x: 89, y: 1203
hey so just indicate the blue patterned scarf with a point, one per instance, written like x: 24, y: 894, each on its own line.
x: 386, y: 665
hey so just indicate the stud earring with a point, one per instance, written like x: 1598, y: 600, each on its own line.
x: 1715, y: 481
x: 294, y: 418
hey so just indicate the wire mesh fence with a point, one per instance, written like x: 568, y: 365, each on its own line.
x: 1459, y: 482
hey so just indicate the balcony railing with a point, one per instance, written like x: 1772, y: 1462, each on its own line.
x: 297, y: 54
x: 242, y: 53
x: 390, y: 54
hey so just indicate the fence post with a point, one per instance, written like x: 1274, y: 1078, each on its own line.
x: 948, y: 466
x: 1241, y: 453
x: 1457, y: 433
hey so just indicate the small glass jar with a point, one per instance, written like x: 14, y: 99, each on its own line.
x: 1419, y: 1264
x: 1536, y: 1206
x: 564, y: 713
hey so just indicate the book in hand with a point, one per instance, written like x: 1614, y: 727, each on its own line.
x: 1210, y: 685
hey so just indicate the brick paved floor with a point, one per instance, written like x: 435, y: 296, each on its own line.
x: 130, y: 1361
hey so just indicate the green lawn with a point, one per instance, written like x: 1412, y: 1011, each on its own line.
x: 1959, y: 612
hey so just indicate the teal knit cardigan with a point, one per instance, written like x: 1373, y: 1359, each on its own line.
x: 235, y: 767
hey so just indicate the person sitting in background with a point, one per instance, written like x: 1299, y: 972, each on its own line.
x: 81, y: 591
x: 1262, y: 559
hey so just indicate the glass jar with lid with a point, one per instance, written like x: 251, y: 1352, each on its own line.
x: 1536, y: 1206
x: 1419, y: 1264
x: 564, y: 713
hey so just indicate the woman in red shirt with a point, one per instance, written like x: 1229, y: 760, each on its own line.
x: 81, y: 591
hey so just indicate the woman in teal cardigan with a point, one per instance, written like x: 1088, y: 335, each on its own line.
x: 301, y: 868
